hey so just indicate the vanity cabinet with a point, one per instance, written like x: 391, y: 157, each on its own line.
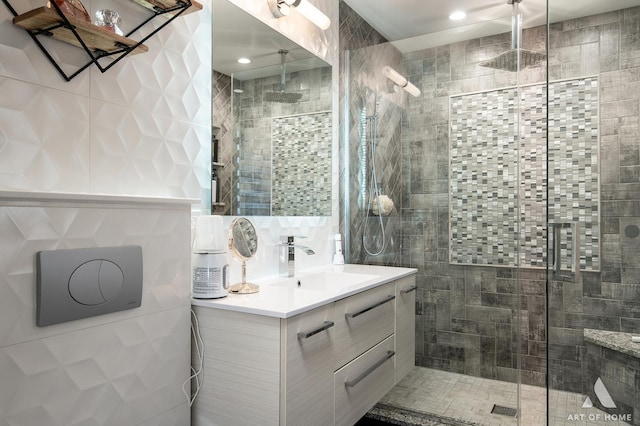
x: 307, y: 394
x: 326, y: 366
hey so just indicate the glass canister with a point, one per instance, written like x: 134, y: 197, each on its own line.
x: 109, y: 20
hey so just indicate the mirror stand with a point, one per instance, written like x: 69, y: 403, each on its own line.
x: 244, y: 287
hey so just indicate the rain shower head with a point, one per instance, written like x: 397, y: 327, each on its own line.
x: 508, y: 61
x: 516, y: 58
x: 282, y: 96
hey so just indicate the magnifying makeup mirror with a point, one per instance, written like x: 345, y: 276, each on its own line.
x: 243, y: 243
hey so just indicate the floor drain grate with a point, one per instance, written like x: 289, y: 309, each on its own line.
x: 504, y: 411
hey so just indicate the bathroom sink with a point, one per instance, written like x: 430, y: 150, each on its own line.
x: 324, y: 281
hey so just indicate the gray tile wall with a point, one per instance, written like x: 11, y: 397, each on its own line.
x: 470, y: 319
x: 369, y: 92
x: 222, y: 118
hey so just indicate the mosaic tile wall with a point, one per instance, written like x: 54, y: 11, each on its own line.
x: 301, y: 164
x: 574, y: 194
x: 486, y: 191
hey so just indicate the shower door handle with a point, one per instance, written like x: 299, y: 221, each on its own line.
x: 575, y: 266
x: 575, y: 234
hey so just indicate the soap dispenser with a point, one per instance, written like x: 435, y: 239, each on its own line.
x: 338, y: 257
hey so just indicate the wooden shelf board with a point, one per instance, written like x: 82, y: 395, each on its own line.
x: 94, y: 37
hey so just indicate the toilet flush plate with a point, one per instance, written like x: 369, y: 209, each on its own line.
x: 81, y: 283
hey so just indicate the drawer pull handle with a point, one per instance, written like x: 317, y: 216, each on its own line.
x: 352, y: 383
x: 382, y: 302
x: 306, y: 334
x: 409, y: 290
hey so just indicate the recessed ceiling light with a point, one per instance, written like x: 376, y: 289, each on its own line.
x: 238, y: 91
x: 457, y: 15
x: 244, y: 61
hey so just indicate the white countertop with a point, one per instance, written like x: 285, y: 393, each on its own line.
x: 275, y: 300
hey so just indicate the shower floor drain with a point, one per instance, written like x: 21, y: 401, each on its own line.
x: 504, y: 411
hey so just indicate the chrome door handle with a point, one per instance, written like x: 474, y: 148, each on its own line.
x: 382, y: 302
x: 575, y: 244
x: 306, y: 334
x: 409, y: 290
x: 352, y: 383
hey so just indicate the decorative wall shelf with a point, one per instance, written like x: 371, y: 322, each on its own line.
x: 97, y: 42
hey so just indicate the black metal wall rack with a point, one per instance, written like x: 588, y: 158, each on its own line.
x: 98, y: 43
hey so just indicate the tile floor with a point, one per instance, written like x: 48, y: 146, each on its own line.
x: 471, y: 399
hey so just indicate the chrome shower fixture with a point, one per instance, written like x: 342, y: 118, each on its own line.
x: 400, y: 80
x: 282, y: 96
x: 516, y: 58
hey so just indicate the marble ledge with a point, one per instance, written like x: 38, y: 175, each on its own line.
x: 614, y: 340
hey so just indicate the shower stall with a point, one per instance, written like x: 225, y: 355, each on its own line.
x: 512, y: 183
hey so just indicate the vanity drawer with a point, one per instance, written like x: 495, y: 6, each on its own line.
x: 359, y: 385
x: 308, y: 372
x: 362, y: 321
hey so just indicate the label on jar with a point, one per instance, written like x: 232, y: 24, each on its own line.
x: 206, y: 280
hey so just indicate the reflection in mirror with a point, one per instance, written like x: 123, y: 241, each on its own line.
x: 243, y: 243
x: 272, y: 121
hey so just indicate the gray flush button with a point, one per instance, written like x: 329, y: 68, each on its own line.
x: 81, y: 283
x: 95, y: 282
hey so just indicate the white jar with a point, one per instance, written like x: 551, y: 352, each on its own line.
x: 210, y: 275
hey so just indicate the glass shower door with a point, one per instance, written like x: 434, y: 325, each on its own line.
x: 593, y: 273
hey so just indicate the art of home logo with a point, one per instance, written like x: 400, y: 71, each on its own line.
x: 605, y: 399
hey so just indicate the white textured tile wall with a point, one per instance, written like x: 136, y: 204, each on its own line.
x: 140, y: 128
x: 121, y: 368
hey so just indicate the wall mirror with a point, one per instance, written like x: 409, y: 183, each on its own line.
x: 271, y: 153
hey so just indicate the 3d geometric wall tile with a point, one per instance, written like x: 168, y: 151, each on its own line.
x: 121, y: 368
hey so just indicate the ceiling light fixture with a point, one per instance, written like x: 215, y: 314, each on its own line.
x: 457, y: 15
x: 244, y: 60
x: 400, y: 80
x: 281, y: 8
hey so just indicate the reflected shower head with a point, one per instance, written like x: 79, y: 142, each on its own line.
x: 282, y: 96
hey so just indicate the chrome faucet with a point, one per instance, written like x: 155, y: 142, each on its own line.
x: 287, y: 249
